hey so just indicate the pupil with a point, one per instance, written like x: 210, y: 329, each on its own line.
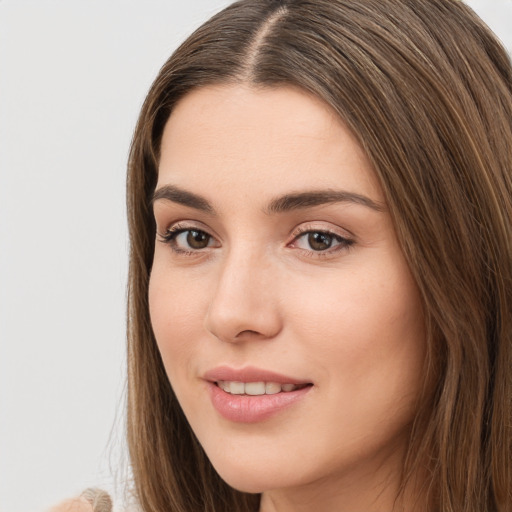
x: 197, y: 239
x: 319, y: 241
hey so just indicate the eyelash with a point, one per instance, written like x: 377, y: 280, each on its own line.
x: 169, y: 238
x: 344, y: 243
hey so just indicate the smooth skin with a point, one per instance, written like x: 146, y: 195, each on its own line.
x: 319, y: 292
x: 77, y: 504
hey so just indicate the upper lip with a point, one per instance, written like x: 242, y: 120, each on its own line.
x: 249, y: 374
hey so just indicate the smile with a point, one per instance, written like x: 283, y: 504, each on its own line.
x: 257, y: 388
x: 251, y: 394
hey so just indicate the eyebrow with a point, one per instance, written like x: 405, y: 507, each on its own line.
x: 285, y: 203
x: 180, y: 196
x: 309, y: 199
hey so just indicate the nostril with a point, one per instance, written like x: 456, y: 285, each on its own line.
x: 240, y: 334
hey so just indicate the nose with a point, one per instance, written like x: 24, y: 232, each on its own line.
x: 245, y: 303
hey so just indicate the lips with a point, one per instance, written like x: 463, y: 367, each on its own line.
x: 250, y: 374
x: 251, y: 395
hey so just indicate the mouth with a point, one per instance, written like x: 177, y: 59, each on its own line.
x: 258, y: 388
x: 253, y: 395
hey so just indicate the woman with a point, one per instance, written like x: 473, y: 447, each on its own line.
x: 320, y: 287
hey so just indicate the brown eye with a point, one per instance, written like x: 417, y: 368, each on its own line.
x: 197, y: 239
x: 185, y: 240
x: 319, y: 241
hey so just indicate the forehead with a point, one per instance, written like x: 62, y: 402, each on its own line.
x: 277, y: 138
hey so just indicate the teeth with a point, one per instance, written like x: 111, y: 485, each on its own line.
x: 271, y: 388
x: 225, y: 385
x: 255, y: 388
x: 237, y: 388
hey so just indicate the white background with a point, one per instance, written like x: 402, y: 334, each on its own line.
x: 73, y: 75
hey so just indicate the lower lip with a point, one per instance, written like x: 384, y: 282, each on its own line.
x: 252, y: 408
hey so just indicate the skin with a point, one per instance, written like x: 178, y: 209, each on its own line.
x: 73, y: 505
x: 347, y: 318
x: 91, y: 500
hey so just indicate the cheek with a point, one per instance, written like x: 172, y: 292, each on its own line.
x: 176, y: 310
x: 364, y: 330
x: 349, y: 305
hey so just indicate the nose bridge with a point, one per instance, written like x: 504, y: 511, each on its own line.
x: 244, y: 299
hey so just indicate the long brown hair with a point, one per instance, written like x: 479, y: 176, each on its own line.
x: 427, y: 90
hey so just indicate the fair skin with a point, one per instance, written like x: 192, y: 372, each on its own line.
x: 314, y: 288
x: 72, y: 505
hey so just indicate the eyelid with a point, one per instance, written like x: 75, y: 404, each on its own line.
x: 185, y: 224
x: 307, y: 227
x: 193, y: 225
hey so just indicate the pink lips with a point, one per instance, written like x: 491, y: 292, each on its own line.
x: 251, y: 408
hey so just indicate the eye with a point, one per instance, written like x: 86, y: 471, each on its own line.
x: 193, y: 239
x: 321, y: 241
x: 187, y: 239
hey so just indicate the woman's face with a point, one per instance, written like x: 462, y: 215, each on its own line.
x: 288, y: 322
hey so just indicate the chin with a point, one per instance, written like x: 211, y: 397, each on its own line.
x: 258, y: 478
